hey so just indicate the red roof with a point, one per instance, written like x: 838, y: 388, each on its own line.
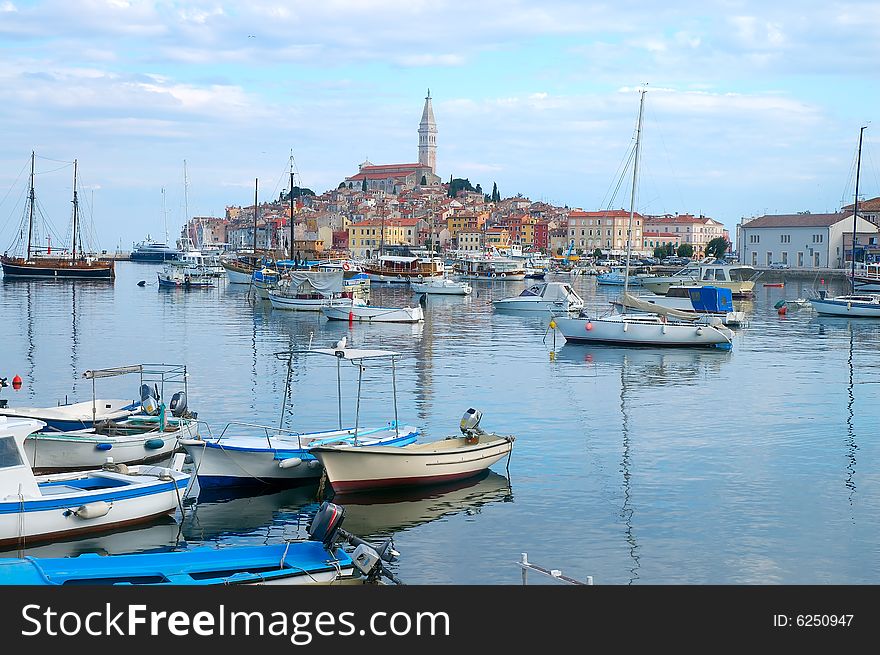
x: 608, y: 213
x: 681, y: 218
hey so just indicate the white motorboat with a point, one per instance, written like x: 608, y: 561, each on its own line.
x: 184, y: 277
x: 285, y: 456
x: 443, y: 286
x: 374, y: 314
x: 617, y: 277
x: 858, y: 305
x: 34, y: 508
x: 453, y: 458
x: 739, y: 278
x: 76, y: 416
x: 545, y: 296
x: 700, y: 301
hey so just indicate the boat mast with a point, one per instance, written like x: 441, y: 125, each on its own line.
x: 632, y: 204
x: 852, y: 276
x: 75, y: 212
x: 31, y: 210
x: 189, y: 232
x: 291, y: 205
x: 256, y: 186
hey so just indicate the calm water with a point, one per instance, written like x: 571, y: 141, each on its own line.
x: 635, y: 466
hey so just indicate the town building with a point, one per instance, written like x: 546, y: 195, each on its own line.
x: 604, y: 230
x: 697, y: 231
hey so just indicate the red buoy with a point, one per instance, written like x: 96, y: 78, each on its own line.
x: 16, y: 382
x: 350, y: 316
x: 781, y: 311
x: 589, y: 326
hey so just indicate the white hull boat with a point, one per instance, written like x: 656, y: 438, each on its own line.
x: 643, y: 330
x: 301, y: 304
x: 442, y: 286
x: 374, y: 314
x: 546, y: 296
x: 138, y: 440
x: 310, y: 290
x: 34, y: 508
x: 860, y: 306
x: 76, y: 416
x: 453, y: 458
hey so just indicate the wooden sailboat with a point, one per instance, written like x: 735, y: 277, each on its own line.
x: 36, y: 263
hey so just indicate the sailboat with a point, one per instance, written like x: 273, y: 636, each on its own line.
x: 240, y: 270
x: 36, y: 261
x: 866, y: 305
x: 662, y: 326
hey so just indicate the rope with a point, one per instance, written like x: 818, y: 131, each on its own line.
x: 321, y: 484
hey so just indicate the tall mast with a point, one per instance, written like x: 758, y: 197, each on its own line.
x: 382, y: 235
x: 189, y: 232
x: 852, y: 277
x: 75, y: 212
x: 164, y: 216
x: 31, y: 208
x: 632, y: 204
x: 256, y: 186
x: 291, y: 205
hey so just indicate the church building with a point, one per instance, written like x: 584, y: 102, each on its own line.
x: 394, y: 178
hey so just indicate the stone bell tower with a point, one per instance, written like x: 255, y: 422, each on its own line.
x: 428, y: 136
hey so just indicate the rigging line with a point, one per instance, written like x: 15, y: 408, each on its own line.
x: 53, y: 170
x: 656, y: 128
x: 621, y: 170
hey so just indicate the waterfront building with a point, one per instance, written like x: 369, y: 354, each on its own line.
x: 697, y: 231
x: 605, y: 230
x: 802, y: 240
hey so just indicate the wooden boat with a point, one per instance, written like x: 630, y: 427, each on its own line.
x: 184, y: 277
x: 320, y: 559
x: 371, y: 467
x: 285, y: 456
x: 76, y: 416
x: 34, y: 508
x: 397, y: 269
x: 375, y: 314
x: 38, y: 262
x: 489, y: 267
x: 545, y: 296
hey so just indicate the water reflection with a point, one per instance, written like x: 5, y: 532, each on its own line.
x: 851, y: 445
x: 627, y: 510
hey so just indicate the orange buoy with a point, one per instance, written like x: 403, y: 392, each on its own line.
x: 16, y: 382
x: 589, y: 326
x: 350, y: 316
x: 781, y: 311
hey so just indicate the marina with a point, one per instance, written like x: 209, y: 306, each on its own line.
x: 683, y: 467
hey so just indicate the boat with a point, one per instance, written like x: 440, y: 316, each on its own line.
x: 657, y: 328
x: 453, y: 458
x: 702, y: 301
x: 310, y: 290
x: 285, y: 456
x: 374, y: 313
x: 774, y: 284
x: 739, y: 278
x: 319, y: 559
x: 490, y: 266
x: 45, y: 507
x: 865, y: 277
x: 240, y: 267
x: 152, y: 251
x: 35, y: 261
x: 616, y: 277
x: 264, y: 280
x: 858, y: 305
x: 442, y: 286
x: 544, y: 296
x: 184, y: 277
x: 76, y: 416
x: 152, y: 434
x: 399, y: 269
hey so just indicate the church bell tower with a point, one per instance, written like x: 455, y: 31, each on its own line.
x: 428, y: 136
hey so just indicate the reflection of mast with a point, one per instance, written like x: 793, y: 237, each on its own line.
x: 73, y: 336
x: 30, y: 338
x: 626, y: 511
x: 851, y: 446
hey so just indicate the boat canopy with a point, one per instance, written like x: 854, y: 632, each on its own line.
x: 397, y: 259
x: 631, y: 301
x: 326, y: 283
x: 711, y: 299
x: 98, y: 373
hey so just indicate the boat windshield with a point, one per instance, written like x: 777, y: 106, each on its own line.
x: 532, y: 291
x: 741, y: 274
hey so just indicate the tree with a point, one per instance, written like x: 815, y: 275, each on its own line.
x: 457, y: 185
x: 478, y: 189
x: 300, y: 191
x: 717, y: 248
x: 496, y: 197
x: 685, y: 250
x: 341, y: 185
x: 597, y: 253
x: 364, y: 185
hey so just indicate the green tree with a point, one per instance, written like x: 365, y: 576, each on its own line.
x: 478, y: 189
x: 597, y: 253
x: 717, y: 248
x: 457, y: 185
x: 364, y: 185
x: 496, y: 197
x: 659, y: 252
x: 685, y: 250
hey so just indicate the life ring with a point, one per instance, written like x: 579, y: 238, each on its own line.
x: 346, y: 266
x: 494, y: 274
x: 421, y: 277
x: 504, y: 275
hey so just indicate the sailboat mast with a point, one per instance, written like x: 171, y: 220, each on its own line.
x: 75, y: 212
x: 31, y: 208
x: 291, y: 205
x: 852, y: 277
x: 256, y: 186
x: 189, y: 227
x: 632, y: 204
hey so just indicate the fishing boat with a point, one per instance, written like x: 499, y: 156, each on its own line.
x: 442, y: 286
x: 240, y: 267
x: 36, y: 261
x: 374, y: 313
x: 453, y: 458
x: 401, y: 270
x: 320, y: 559
x: 858, y: 305
x: 660, y: 327
x: 184, y: 277
x: 264, y: 280
x: 310, y: 290
x: 152, y: 434
x: 285, y: 456
x: 545, y: 296
x: 76, y: 416
x: 701, y: 301
x: 34, y: 508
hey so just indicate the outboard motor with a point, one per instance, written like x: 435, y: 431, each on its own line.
x: 326, y: 523
x: 3, y: 383
x: 470, y: 425
x: 149, y: 400
x: 178, y: 404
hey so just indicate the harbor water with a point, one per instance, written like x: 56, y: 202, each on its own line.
x: 756, y: 465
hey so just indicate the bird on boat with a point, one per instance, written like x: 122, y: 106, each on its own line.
x: 340, y: 345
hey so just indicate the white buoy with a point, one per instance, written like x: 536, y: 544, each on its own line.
x: 289, y: 463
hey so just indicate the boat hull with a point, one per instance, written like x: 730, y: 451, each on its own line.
x: 450, y: 289
x: 661, y: 286
x: 830, y: 307
x: 368, y: 467
x: 80, y: 270
x: 637, y: 331
x: 280, y: 301
x: 372, y: 314
x: 76, y: 416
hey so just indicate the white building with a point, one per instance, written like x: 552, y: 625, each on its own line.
x: 800, y: 240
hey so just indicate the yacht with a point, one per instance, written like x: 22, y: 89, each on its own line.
x: 739, y: 278
x: 153, y: 251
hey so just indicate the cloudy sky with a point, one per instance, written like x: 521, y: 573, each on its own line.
x: 752, y: 107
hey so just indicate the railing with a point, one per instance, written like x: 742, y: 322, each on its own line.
x: 556, y: 574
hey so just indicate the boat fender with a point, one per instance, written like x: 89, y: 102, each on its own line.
x: 699, y: 331
x: 289, y: 463
x: 313, y: 464
x: 154, y: 443
x: 103, y: 446
x: 92, y: 510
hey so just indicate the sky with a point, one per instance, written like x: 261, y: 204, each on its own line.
x: 751, y: 107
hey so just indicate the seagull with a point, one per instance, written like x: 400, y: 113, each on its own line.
x: 340, y: 345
